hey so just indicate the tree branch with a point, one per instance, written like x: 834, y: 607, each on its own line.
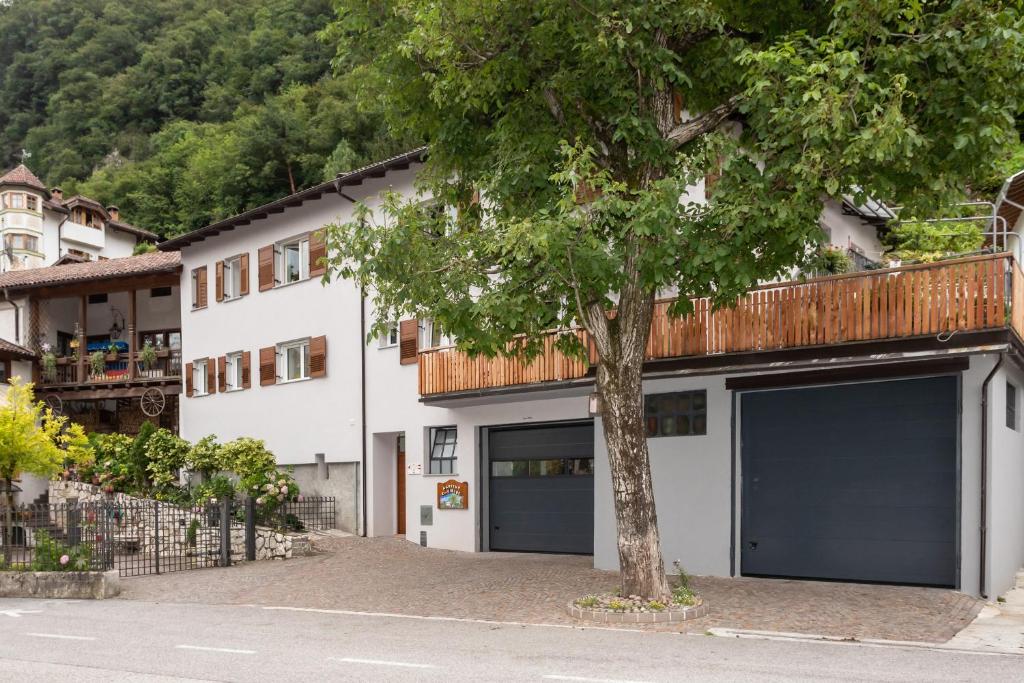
x: 705, y: 123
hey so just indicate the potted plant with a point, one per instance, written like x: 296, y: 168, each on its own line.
x: 112, y: 351
x: 148, y: 357
x: 48, y: 361
x: 98, y: 363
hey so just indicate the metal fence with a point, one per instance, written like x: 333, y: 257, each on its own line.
x: 146, y: 537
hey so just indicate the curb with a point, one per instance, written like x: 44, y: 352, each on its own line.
x: 723, y: 632
x: 669, y: 616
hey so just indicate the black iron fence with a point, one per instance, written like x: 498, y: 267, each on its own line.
x: 146, y: 537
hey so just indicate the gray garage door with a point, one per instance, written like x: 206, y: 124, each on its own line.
x: 542, y: 489
x: 852, y: 482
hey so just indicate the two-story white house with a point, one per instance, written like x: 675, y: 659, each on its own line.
x: 862, y: 426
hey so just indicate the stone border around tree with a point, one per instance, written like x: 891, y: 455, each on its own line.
x: 60, y: 585
x: 667, y: 616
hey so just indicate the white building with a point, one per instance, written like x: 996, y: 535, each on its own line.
x: 39, y: 227
x: 835, y: 428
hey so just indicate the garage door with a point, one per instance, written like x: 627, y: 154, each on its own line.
x: 852, y: 482
x: 542, y: 489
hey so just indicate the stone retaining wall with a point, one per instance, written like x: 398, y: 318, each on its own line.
x: 73, y: 585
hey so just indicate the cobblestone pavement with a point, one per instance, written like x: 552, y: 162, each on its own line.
x: 393, y: 575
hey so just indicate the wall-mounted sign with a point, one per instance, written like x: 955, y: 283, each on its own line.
x: 452, y: 495
x: 414, y: 468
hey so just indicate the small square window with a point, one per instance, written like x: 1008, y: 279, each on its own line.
x: 442, y: 450
x: 199, y: 377
x: 681, y: 413
x: 1011, y: 406
x: 388, y: 338
x: 157, y: 292
x: 293, y: 360
x: 97, y: 298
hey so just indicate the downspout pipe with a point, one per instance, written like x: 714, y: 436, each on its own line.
x: 17, y: 317
x: 983, y: 526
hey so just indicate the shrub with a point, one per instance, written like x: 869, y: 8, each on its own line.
x: 51, y: 555
x: 588, y: 601
x: 247, y: 457
x: 618, y: 606
x: 190, y: 533
x: 272, y: 490
x: 216, y: 487
x: 112, y: 469
x: 166, y: 454
x: 656, y: 606
x: 682, y: 594
x: 206, y: 457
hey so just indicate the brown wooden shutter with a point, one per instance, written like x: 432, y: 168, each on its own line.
x: 243, y: 265
x: 200, y: 301
x: 265, y: 257
x: 268, y: 366
x: 317, y: 252
x: 211, y: 375
x: 408, y: 341
x: 246, y: 374
x: 189, y: 389
x: 218, y: 269
x: 318, y: 356
x: 222, y: 373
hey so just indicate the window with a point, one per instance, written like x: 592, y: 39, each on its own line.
x: 16, y: 200
x: 233, y: 371
x: 293, y: 359
x: 233, y: 277
x: 84, y: 255
x: 442, y: 450
x: 681, y: 413
x: 157, y: 292
x: 431, y: 335
x: 1011, y: 406
x: 161, y: 339
x: 23, y: 242
x: 389, y: 338
x: 97, y: 298
x: 542, y: 468
x: 199, y: 376
x: 294, y: 261
x: 31, y: 202
x: 199, y: 287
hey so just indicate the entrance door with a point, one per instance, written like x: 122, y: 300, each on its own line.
x: 400, y: 487
x: 851, y: 482
x: 542, y: 488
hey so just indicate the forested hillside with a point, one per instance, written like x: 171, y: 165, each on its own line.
x: 178, y: 111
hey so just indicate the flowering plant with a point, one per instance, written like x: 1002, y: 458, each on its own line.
x: 271, y: 489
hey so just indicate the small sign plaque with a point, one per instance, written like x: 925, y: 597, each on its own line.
x: 452, y: 495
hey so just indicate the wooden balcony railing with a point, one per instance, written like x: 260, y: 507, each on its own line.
x: 968, y: 294
x: 115, y: 370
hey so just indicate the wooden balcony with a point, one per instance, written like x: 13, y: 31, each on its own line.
x: 972, y: 294
x: 116, y: 372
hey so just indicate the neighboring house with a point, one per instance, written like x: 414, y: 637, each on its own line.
x: 858, y: 427
x: 39, y: 227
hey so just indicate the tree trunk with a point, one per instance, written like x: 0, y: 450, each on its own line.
x: 8, y: 530
x: 641, y: 566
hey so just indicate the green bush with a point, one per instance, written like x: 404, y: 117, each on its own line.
x: 166, y: 454
x: 216, y: 487
x: 51, y: 555
x: 207, y: 457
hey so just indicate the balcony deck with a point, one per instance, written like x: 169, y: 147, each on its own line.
x: 972, y: 294
x: 117, y: 377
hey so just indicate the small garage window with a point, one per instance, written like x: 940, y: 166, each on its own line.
x: 1011, y: 406
x: 442, y: 450
x: 542, y: 468
x: 680, y: 413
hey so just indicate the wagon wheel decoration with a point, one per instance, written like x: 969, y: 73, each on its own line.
x: 54, y: 403
x: 152, y: 401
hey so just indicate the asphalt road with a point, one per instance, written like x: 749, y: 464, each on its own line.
x: 115, y: 640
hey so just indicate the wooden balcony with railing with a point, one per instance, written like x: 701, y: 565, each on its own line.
x: 972, y: 294
x: 117, y: 370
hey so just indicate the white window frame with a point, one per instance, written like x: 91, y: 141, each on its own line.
x: 282, y: 360
x: 442, y: 454
x: 431, y: 333
x: 281, y: 266
x: 200, y: 376
x: 388, y: 339
x: 233, y: 371
x: 232, y: 270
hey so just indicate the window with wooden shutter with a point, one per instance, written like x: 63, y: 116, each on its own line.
x: 243, y: 266
x: 199, y: 287
x: 317, y: 252
x: 246, y: 373
x: 408, y: 336
x: 222, y: 373
x: 211, y: 375
x: 189, y: 389
x: 318, y: 356
x: 219, y: 280
x: 268, y: 365
x: 265, y: 257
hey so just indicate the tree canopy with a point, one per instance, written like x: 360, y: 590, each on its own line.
x: 178, y: 111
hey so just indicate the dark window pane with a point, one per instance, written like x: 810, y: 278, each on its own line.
x: 668, y: 425
x: 652, y: 426
x: 534, y: 466
x: 683, y: 403
x: 700, y: 400
x: 520, y: 468
x: 700, y: 424
x: 501, y: 469
x: 683, y: 425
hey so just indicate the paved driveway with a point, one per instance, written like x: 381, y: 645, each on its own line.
x: 393, y: 575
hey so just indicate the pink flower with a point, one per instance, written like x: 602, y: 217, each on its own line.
x: 284, y: 490
x: 64, y: 559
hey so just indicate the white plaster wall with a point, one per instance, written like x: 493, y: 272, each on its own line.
x: 1005, y: 484
x: 847, y: 231
x: 119, y: 243
x: 692, y: 478
x: 297, y: 420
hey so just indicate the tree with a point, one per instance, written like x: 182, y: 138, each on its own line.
x: 35, y: 441
x: 581, y: 126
